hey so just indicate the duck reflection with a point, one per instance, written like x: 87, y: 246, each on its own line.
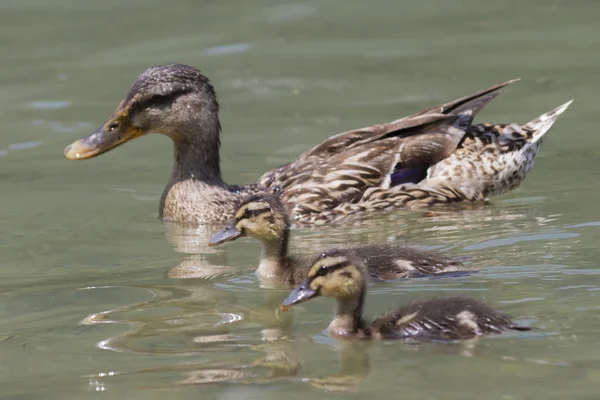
x: 354, y: 368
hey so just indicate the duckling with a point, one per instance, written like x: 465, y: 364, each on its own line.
x: 343, y: 276
x: 264, y: 217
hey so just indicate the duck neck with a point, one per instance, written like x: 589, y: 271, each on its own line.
x: 196, y: 170
x: 348, y: 319
x: 274, y: 255
x: 197, y: 156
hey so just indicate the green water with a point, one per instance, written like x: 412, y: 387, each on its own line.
x: 88, y: 299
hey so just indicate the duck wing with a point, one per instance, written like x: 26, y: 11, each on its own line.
x: 342, y: 168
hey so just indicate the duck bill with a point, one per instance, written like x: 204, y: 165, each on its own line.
x: 227, y: 234
x: 100, y: 141
x: 301, y: 294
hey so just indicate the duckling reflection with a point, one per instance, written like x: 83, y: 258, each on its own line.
x: 151, y: 332
x: 354, y: 369
x: 192, y: 241
x: 264, y: 217
x: 189, y: 309
x: 279, y: 362
x: 282, y: 363
x: 204, y: 316
x: 343, y: 276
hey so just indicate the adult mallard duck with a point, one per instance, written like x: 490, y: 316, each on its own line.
x: 263, y: 217
x: 342, y: 276
x: 434, y: 156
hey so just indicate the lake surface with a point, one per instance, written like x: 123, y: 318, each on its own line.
x: 91, y: 295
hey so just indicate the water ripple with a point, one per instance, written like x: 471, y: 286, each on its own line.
x: 228, y: 49
x: 24, y: 145
x: 518, y: 239
x: 50, y: 104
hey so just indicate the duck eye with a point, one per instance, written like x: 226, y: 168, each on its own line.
x: 322, y: 271
x: 112, y: 126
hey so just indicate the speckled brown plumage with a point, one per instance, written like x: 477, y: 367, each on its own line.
x: 350, y: 173
x: 343, y: 276
x: 264, y: 217
x: 443, y: 318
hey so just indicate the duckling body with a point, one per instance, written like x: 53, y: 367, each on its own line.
x: 264, y: 217
x: 436, y: 156
x: 343, y: 276
x: 444, y: 318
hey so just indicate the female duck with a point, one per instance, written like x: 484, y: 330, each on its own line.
x: 263, y: 217
x: 434, y: 156
x: 341, y: 275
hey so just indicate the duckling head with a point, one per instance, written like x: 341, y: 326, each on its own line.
x: 335, y: 273
x: 261, y: 216
x: 176, y: 100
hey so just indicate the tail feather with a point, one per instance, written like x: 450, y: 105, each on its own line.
x: 542, y: 124
x: 475, y: 101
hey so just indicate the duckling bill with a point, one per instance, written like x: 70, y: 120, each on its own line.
x: 435, y: 156
x: 264, y: 217
x: 342, y: 276
x: 228, y: 233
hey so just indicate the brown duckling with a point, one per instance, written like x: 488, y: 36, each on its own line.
x: 263, y: 217
x: 343, y: 276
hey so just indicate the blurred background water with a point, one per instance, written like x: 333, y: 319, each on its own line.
x: 92, y: 298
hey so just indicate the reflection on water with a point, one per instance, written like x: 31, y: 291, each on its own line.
x: 194, y: 243
x: 171, y: 315
x: 274, y: 355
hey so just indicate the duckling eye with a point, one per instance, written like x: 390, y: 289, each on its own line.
x: 247, y: 213
x: 112, y: 126
x: 322, y: 271
x: 250, y: 213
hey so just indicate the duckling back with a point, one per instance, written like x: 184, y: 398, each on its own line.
x: 445, y: 318
x: 389, y: 261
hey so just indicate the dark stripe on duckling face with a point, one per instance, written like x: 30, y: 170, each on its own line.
x: 252, y: 210
x: 327, y: 265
